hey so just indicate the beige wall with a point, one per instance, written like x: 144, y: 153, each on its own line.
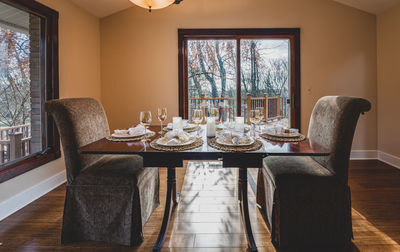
x: 388, y: 26
x: 139, y: 63
x: 79, y: 77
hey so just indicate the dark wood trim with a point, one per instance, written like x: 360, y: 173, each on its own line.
x: 50, y: 72
x: 238, y: 80
x: 293, y: 34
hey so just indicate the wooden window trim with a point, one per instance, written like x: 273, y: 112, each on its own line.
x: 49, y: 41
x: 293, y: 34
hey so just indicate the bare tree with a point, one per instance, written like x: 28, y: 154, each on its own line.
x: 14, y: 78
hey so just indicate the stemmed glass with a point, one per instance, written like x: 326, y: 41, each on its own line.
x: 255, y: 119
x: 197, y: 118
x: 215, y: 113
x: 162, y: 116
x: 145, y: 121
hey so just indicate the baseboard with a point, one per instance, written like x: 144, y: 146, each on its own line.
x: 22, y: 199
x: 389, y: 159
x: 363, y: 155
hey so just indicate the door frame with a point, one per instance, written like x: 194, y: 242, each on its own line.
x: 293, y: 34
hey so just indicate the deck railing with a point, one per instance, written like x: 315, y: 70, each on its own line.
x: 273, y: 107
x: 15, y: 142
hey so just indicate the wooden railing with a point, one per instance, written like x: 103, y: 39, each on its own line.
x: 15, y: 142
x: 273, y: 107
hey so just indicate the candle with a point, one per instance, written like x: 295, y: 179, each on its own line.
x: 211, y: 127
x: 177, y: 123
x: 239, y: 124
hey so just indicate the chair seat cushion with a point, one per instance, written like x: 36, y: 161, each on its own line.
x: 117, y: 170
x: 296, y: 169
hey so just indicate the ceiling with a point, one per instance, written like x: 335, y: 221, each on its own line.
x: 371, y: 6
x: 13, y: 18
x: 103, y: 8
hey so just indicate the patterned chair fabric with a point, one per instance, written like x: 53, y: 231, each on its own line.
x: 306, y: 200
x: 108, y: 197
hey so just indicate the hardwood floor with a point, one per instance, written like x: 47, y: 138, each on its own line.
x: 208, y: 219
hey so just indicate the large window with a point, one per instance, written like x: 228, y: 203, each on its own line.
x: 237, y: 70
x: 28, y: 78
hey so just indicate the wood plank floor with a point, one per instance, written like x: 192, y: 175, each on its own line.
x: 207, y: 218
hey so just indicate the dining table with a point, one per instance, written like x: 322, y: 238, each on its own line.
x: 230, y: 159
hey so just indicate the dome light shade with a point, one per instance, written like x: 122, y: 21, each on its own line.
x: 153, y: 4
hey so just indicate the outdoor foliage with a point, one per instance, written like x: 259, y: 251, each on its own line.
x: 14, y: 78
x: 212, y: 68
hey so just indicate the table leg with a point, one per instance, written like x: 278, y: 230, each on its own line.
x: 244, y: 209
x: 170, y: 203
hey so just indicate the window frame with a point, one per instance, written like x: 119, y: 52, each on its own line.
x: 293, y: 34
x: 50, y: 70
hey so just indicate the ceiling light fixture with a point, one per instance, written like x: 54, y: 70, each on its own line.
x: 155, y: 4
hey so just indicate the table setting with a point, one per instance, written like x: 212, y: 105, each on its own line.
x: 136, y: 133
x: 280, y: 133
x: 180, y: 135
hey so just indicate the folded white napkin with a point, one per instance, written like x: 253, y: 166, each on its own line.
x: 138, y: 130
x: 234, y: 137
x: 273, y: 129
x: 185, y: 124
x: 176, y: 137
x: 121, y: 132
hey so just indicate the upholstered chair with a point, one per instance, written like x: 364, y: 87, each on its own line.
x: 108, y: 198
x: 306, y: 200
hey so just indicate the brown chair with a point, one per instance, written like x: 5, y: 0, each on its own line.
x: 108, y: 198
x: 306, y: 200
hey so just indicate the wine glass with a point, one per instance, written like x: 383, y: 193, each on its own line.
x: 145, y: 121
x: 255, y: 119
x: 197, y: 118
x: 215, y: 113
x: 162, y: 116
x: 262, y: 116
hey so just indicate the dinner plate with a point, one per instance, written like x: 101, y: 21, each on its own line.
x: 163, y: 142
x: 220, y: 141
x: 188, y: 127
x: 286, y: 135
x: 126, y: 135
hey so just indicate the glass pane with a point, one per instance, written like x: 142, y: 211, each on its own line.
x: 20, y: 84
x: 212, y: 77
x: 265, y: 78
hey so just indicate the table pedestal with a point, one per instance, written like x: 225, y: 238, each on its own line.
x: 170, y: 203
x: 244, y: 209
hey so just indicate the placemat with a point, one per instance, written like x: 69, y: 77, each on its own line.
x: 284, y: 139
x: 131, y: 139
x: 194, y: 145
x: 255, y: 146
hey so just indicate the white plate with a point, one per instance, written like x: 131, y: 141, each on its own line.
x: 286, y: 135
x: 125, y: 135
x: 220, y: 141
x: 187, y: 127
x: 161, y: 141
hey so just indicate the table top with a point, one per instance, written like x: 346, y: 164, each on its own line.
x: 269, y: 148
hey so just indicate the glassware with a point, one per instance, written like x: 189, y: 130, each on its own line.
x: 197, y: 118
x: 255, y: 119
x: 162, y: 116
x: 215, y: 113
x: 262, y: 113
x: 145, y: 121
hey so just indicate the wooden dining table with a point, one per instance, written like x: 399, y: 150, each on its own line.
x: 171, y: 160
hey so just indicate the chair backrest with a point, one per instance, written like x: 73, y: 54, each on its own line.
x: 79, y: 121
x: 332, y: 124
